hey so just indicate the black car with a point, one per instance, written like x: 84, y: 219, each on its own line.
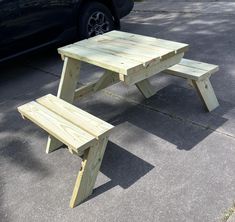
x: 26, y: 25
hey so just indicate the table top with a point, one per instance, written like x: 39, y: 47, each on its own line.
x: 123, y: 52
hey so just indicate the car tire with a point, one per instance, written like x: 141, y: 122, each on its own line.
x: 94, y: 19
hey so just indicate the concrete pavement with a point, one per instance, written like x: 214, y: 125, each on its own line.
x: 167, y: 159
x: 232, y: 218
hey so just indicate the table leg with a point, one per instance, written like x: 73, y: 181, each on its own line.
x: 67, y: 86
x: 145, y: 88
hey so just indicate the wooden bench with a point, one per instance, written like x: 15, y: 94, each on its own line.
x: 198, y: 74
x: 83, y: 134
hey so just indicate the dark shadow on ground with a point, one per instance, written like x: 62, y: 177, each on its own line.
x: 18, y: 152
x: 175, y: 127
x: 16, y: 157
x: 122, y: 167
x: 184, y: 103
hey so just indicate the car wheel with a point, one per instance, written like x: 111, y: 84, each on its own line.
x: 94, y: 19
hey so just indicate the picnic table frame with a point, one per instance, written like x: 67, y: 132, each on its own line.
x: 125, y: 57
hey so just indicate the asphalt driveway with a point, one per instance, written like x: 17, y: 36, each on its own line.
x: 167, y: 160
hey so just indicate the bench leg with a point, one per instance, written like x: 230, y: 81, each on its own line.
x: 145, y: 88
x: 52, y: 144
x: 206, y: 93
x: 87, y: 175
x: 190, y: 82
x: 68, y: 83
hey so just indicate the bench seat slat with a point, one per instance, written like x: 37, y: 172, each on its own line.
x: 185, y: 72
x: 103, y: 59
x: 198, y: 74
x: 190, y: 69
x: 65, y: 131
x: 199, y: 65
x: 79, y: 117
x: 127, y: 48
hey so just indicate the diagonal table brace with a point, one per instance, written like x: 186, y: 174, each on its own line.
x: 107, y: 79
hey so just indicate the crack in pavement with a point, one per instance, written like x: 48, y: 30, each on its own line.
x: 176, y: 11
x: 148, y: 107
x: 167, y: 12
x: 42, y: 70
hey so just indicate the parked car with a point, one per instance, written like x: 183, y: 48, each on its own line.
x: 26, y: 25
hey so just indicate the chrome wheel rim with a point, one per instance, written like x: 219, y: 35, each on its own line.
x: 97, y: 24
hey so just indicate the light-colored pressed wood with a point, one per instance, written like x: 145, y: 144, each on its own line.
x: 87, y: 175
x: 107, y: 79
x: 198, y: 74
x: 123, y: 53
x: 145, y: 88
x: 91, y: 124
x: 206, y: 93
x: 83, y: 134
x: 125, y: 57
x: 191, y: 69
x: 142, y: 74
x: 57, y: 126
x: 66, y: 90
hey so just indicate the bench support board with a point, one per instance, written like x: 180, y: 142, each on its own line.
x: 84, y: 135
x: 206, y: 93
x: 197, y: 75
x: 145, y: 88
x: 87, y: 175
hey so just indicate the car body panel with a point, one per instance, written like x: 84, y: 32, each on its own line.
x: 26, y: 25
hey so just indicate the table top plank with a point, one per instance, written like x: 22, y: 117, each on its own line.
x: 116, y: 51
x: 107, y: 61
x: 121, y: 52
x: 132, y: 54
x: 130, y: 46
x: 176, y: 46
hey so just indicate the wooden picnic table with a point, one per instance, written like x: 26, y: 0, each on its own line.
x: 125, y: 57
